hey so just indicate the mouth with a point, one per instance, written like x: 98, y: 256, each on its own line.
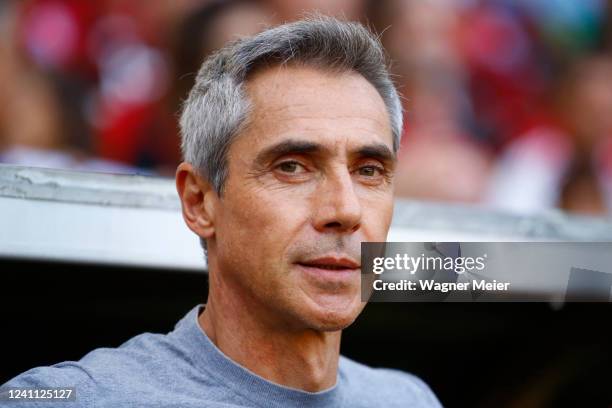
x: 329, y: 263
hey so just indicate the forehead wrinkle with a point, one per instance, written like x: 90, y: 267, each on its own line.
x: 316, y: 122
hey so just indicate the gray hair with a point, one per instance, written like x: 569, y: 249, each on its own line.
x: 217, y: 107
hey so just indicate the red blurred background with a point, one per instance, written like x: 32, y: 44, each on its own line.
x: 508, y: 103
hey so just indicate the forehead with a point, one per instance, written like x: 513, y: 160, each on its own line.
x: 332, y: 108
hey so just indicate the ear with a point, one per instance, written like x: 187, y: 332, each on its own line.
x: 198, y: 199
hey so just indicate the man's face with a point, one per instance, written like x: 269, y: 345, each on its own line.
x: 309, y: 180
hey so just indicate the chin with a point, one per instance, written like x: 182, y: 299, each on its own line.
x: 332, y: 324
x: 334, y: 318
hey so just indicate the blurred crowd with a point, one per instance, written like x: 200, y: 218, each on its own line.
x: 508, y: 103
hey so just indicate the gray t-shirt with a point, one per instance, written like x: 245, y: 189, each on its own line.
x: 185, y: 369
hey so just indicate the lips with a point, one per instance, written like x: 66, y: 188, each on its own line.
x: 331, y: 263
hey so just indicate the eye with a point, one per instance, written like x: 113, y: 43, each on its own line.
x: 370, y: 171
x: 291, y: 167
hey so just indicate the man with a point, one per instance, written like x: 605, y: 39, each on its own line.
x: 289, y: 139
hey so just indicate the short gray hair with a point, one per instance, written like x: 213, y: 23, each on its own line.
x: 217, y: 107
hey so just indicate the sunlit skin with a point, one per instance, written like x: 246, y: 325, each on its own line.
x: 310, y: 178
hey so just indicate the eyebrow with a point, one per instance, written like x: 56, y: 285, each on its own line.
x: 378, y: 151
x: 288, y: 147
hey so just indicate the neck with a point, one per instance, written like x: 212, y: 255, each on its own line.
x: 304, y: 359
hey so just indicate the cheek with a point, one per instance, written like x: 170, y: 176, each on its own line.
x: 260, y: 227
x: 377, y: 213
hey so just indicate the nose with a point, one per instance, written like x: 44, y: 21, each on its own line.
x: 338, y: 208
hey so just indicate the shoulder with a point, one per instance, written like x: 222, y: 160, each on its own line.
x: 141, y: 356
x: 371, y: 386
x: 138, y: 364
x: 68, y: 374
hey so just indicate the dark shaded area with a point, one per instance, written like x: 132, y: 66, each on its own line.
x: 472, y: 355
